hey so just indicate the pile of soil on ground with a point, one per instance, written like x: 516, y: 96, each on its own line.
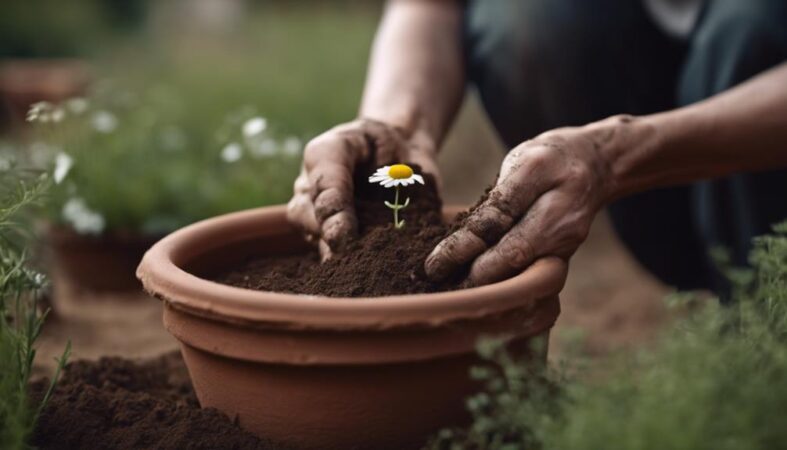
x: 115, y: 403
x: 381, y: 261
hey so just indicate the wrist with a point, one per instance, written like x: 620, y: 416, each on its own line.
x: 411, y: 125
x: 625, y: 144
x: 405, y: 116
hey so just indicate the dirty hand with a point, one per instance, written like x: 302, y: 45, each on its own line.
x: 545, y: 198
x: 322, y: 204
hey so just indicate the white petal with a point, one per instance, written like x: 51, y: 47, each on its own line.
x: 254, y: 126
x: 389, y: 183
x: 104, y: 122
x: 63, y: 163
x: 418, y: 178
x: 376, y: 178
x: 231, y: 152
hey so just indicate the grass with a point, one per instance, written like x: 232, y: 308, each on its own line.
x: 20, y: 318
x: 716, y: 380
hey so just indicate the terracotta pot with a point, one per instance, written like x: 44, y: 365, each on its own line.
x: 332, y: 373
x: 27, y: 81
x: 105, y: 263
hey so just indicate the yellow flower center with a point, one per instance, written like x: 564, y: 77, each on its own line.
x: 400, y: 171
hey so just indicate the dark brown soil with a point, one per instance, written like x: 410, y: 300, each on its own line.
x: 116, y: 403
x: 381, y: 261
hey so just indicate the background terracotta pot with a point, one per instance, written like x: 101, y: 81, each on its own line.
x: 332, y: 373
x: 27, y: 81
x: 105, y: 263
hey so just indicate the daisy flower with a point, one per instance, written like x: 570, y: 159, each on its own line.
x: 395, y: 176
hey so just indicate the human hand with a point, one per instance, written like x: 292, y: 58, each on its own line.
x: 546, y: 195
x: 322, y: 204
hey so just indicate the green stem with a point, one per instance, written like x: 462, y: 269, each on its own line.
x: 396, y: 209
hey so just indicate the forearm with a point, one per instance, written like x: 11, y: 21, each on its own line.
x: 416, y: 78
x: 741, y: 130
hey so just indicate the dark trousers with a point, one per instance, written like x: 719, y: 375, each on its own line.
x: 542, y: 64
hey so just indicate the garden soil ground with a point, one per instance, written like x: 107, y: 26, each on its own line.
x: 115, y: 403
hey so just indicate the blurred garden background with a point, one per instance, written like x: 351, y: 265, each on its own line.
x: 178, y: 110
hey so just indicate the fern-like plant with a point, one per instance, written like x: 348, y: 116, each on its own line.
x: 717, y: 380
x: 20, y: 317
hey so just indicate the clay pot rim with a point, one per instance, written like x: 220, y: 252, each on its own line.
x: 162, y: 277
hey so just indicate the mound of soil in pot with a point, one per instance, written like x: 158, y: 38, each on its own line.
x: 115, y: 403
x: 381, y: 261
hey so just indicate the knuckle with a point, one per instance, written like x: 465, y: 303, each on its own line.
x: 537, y: 157
x: 301, y: 184
x: 454, y: 252
x: 331, y: 146
x: 516, y: 255
x: 489, y: 222
x: 329, y: 202
x: 577, y: 231
x: 577, y: 171
x: 338, y: 229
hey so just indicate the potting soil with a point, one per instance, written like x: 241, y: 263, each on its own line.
x: 381, y: 261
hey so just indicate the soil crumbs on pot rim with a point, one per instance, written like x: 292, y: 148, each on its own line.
x: 115, y: 403
x: 381, y: 261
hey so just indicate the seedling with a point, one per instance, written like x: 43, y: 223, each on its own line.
x: 395, y: 176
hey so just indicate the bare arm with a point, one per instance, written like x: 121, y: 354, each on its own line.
x: 741, y: 130
x: 416, y: 74
x: 551, y: 187
x: 414, y: 86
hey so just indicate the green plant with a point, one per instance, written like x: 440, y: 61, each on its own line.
x: 716, y: 380
x: 141, y: 163
x: 20, y: 318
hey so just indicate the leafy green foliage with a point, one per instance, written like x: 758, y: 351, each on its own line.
x: 20, y: 318
x: 137, y: 162
x: 714, y: 381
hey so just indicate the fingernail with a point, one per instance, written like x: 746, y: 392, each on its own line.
x: 436, y: 267
x: 325, y: 251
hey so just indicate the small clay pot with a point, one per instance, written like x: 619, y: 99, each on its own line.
x: 105, y: 263
x: 314, y: 372
x: 27, y: 81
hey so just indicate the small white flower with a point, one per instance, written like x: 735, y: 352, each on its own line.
x: 81, y: 218
x: 57, y: 115
x: 63, y: 164
x: 231, y: 152
x: 292, y: 146
x: 267, y: 147
x: 395, y: 175
x: 254, y: 126
x: 104, y: 122
x: 77, y: 105
x: 39, y: 112
x: 38, y: 279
